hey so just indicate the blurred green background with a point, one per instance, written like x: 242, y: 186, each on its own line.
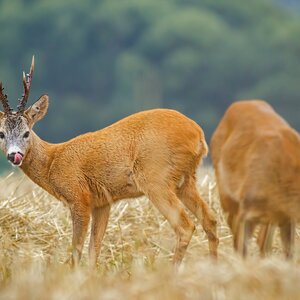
x: 102, y: 60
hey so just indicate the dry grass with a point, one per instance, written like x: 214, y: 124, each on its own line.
x: 35, y: 243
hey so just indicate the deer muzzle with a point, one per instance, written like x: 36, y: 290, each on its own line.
x: 15, y: 158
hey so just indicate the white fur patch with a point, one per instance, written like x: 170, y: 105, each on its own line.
x: 13, y: 149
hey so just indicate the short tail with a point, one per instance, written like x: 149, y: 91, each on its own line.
x: 202, y: 150
x: 204, y: 147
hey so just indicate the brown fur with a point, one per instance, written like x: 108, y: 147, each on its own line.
x: 153, y: 153
x: 256, y: 156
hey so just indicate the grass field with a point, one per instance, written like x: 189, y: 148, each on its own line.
x: 135, y: 259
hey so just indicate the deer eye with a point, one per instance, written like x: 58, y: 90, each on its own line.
x: 2, y: 135
x: 26, y: 135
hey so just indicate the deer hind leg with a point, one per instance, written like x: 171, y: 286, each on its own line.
x: 80, y: 219
x: 265, y: 237
x: 100, y: 217
x: 232, y: 222
x: 189, y: 195
x: 287, y: 235
x: 230, y: 208
x: 243, y: 231
x: 166, y: 201
x: 231, y: 218
x: 235, y: 228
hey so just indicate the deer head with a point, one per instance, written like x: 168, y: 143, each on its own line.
x: 16, y: 126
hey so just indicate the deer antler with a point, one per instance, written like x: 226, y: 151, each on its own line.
x: 26, y: 84
x: 4, y: 101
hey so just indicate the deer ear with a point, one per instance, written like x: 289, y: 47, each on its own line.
x: 39, y: 109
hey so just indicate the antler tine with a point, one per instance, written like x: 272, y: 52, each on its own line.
x: 26, y: 85
x: 4, y: 101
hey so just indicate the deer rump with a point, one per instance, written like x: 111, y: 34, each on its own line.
x: 256, y: 158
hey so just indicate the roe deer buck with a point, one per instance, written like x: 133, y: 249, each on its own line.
x: 256, y: 156
x: 153, y: 153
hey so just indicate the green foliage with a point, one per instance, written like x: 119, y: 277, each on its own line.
x: 102, y: 60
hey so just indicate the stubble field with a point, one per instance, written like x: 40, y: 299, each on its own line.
x: 135, y: 259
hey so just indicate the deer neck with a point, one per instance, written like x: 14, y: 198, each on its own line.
x: 37, y: 163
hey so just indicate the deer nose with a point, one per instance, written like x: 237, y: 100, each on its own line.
x: 11, y: 156
x: 15, y: 157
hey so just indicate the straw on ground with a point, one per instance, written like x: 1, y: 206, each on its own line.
x: 134, y: 263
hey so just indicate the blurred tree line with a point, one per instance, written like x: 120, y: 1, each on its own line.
x: 100, y: 60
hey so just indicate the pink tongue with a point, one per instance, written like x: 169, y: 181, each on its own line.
x: 18, y: 158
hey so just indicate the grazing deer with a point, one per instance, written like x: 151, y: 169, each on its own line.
x: 256, y: 156
x: 153, y: 153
